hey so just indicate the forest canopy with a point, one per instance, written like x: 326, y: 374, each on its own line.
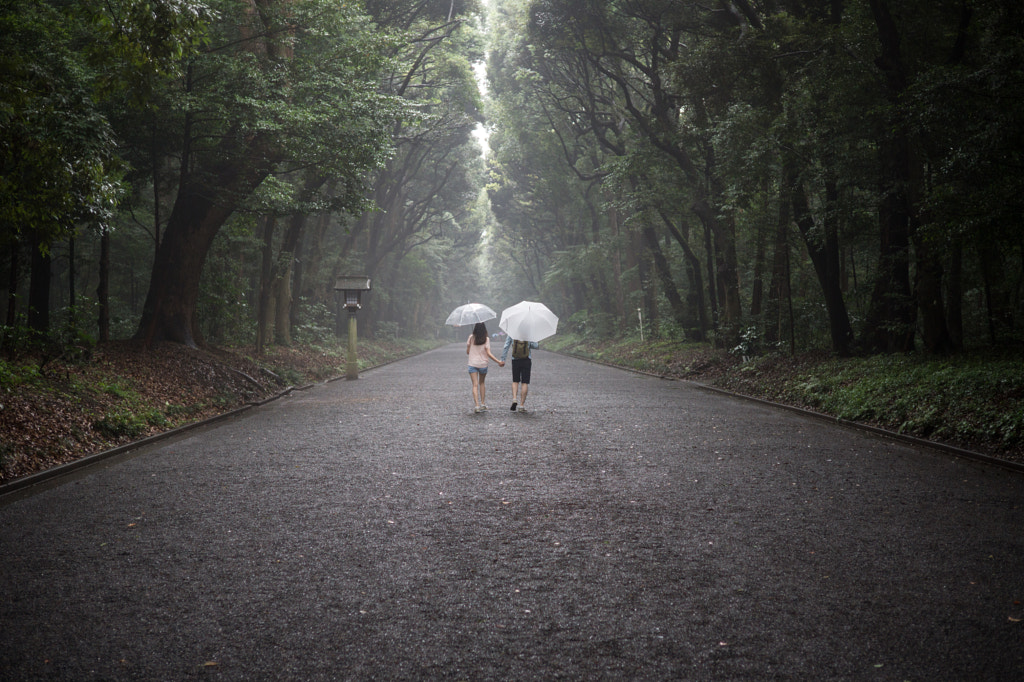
x: 782, y: 175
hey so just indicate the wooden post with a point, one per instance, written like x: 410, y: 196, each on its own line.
x: 352, y: 361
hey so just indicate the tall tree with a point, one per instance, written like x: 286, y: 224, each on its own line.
x: 282, y: 84
x: 430, y: 185
x: 58, y: 167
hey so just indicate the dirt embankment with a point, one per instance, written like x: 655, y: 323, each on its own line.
x: 55, y: 411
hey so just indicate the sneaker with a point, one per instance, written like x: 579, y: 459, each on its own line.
x: 483, y: 407
x: 477, y: 409
x: 513, y: 408
x: 522, y: 408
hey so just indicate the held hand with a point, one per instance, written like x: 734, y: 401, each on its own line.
x: 501, y: 363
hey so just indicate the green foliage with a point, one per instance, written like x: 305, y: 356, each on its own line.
x: 312, y: 101
x: 750, y: 342
x: 289, y: 376
x: 721, y: 135
x: 122, y: 424
x: 70, y: 343
x: 316, y: 325
x: 117, y: 389
x: 968, y: 398
x: 590, y: 146
x: 18, y: 339
x: 177, y: 412
x: 57, y: 151
x: 591, y: 326
x: 137, y: 45
x: 14, y: 374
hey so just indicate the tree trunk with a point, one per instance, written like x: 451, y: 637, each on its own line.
x: 955, y: 295
x: 208, y: 193
x: 312, y: 263
x: 283, y: 301
x: 281, y: 276
x: 39, y: 290
x: 266, y: 284
x: 619, y: 298
x: 757, y: 293
x: 722, y: 240
x: 12, y: 284
x: 169, y: 311
x: 103, y: 288
x: 695, y: 294
x: 891, y: 319
x: 155, y: 160
x: 709, y: 254
x: 778, y: 289
x: 728, y: 272
x: 928, y: 287
x: 890, y: 323
x: 998, y: 306
x: 824, y: 254
x: 668, y: 284
x: 72, y: 322
x: 296, y: 281
x: 648, y: 301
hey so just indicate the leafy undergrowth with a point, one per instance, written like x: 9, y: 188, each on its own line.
x: 973, y: 401
x: 55, y: 412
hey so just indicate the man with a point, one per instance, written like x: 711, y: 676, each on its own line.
x: 522, y: 361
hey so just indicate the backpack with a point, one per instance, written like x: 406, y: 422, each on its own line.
x: 520, y: 350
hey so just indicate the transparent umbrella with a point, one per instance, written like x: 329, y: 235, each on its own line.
x: 471, y: 313
x: 528, y: 321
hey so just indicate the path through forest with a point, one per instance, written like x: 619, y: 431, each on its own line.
x: 626, y: 528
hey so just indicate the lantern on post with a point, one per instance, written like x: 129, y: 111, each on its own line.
x: 351, y: 289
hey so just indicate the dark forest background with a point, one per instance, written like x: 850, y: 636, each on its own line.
x: 776, y: 175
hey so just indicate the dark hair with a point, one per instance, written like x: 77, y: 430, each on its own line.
x: 479, y: 334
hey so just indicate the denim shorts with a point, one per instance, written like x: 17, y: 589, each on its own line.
x: 479, y: 370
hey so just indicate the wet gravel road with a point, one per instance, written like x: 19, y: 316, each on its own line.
x: 627, y: 528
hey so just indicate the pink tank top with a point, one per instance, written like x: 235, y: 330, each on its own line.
x: 478, y: 354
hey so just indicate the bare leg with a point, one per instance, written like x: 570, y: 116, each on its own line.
x: 515, y: 394
x: 523, y: 390
x: 475, y: 378
x: 483, y: 389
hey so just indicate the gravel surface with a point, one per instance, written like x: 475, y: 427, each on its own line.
x: 626, y: 528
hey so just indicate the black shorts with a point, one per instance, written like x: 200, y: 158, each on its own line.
x: 521, y: 370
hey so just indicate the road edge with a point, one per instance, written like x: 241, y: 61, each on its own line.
x: 945, y: 448
x: 21, y: 488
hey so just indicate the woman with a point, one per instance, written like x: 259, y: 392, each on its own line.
x: 478, y: 348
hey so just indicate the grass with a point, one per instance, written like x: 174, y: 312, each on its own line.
x: 972, y: 398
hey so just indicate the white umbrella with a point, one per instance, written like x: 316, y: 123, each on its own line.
x: 471, y: 313
x: 528, y: 321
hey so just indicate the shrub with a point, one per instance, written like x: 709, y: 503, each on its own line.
x: 120, y: 424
